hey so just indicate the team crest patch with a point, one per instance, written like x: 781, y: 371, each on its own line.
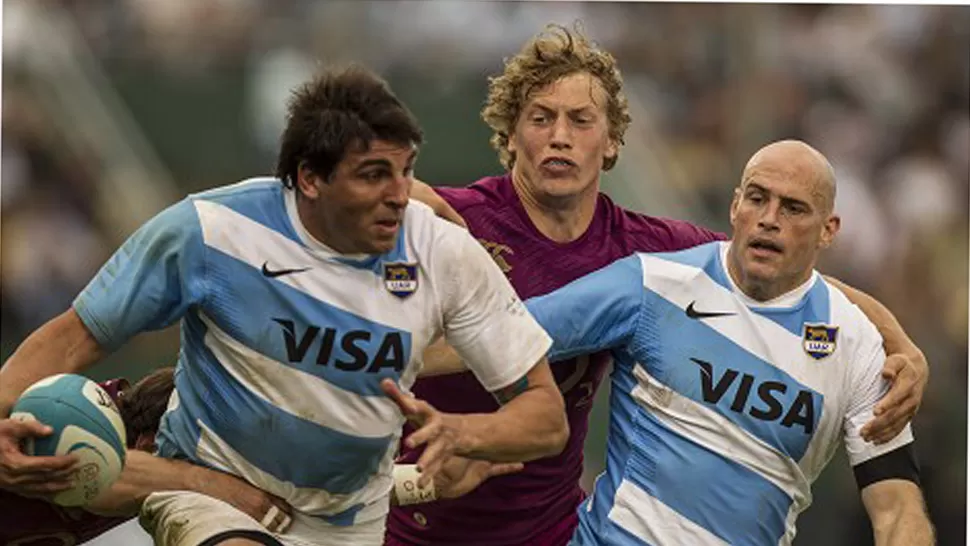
x: 401, y: 279
x: 819, y: 340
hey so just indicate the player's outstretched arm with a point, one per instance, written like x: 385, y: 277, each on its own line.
x: 906, y: 367
x: 530, y: 425
x: 145, y: 474
x: 62, y: 345
x: 898, y: 513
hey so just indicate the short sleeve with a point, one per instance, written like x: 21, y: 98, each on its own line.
x: 150, y: 282
x: 596, y: 312
x: 484, y: 319
x: 867, y: 388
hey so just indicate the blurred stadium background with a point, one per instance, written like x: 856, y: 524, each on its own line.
x: 113, y: 109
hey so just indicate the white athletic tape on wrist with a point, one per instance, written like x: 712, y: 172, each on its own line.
x: 406, y: 486
x: 269, y: 516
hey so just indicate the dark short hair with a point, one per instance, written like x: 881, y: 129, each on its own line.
x: 338, y: 109
x: 143, y: 405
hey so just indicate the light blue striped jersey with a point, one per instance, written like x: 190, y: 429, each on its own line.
x: 724, y: 410
x: 284, y: 342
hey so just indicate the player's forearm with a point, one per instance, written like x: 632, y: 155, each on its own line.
x: 908, y: 528
x: 531, y: 426
x: 62, y: 345
x: 143, y: 475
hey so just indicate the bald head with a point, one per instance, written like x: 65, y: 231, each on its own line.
x: 799, y: 162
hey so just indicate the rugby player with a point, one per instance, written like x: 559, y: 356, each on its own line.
x: 302, y: 300
x: 558, y: 115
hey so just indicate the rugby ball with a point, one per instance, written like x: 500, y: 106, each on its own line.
x: 86, y: 423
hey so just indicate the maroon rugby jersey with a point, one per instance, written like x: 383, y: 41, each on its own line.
x: 529, y: 507
x: 34, y: 522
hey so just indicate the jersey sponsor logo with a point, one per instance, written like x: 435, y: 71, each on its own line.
x: 498, y: 252
x: 366, y: 352
x: 273, y: 273
x: 401, y: 279
x: 766, y: 406
x: 819, y: 340
x: 695, y: 314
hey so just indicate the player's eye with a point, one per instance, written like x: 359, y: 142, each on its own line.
x: 374, y: 176
x: 756, y: 198
x: 538, y: 118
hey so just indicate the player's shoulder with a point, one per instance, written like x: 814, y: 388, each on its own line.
x: 855, y: 330
x: 488, y: 193
x: 425, y: 229
x: 646, y: 233
x: 249, y: 196
x: 434, y: 241
x: 251, y: 189
x: 685, y: 262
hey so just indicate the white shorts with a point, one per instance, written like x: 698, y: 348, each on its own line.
x: 185, y: 518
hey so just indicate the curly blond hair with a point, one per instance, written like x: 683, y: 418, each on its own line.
x: 552, y: 54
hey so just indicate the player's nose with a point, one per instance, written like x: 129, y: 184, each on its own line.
x: 561, y: 138
x: 398, y: 192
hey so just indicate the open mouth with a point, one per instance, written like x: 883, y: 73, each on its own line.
x: 388, y: 224
x: 558, y: 164
x: 765, y: 245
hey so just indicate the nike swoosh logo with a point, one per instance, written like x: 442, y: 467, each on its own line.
x: 267, y: 272
x: 694, y: 314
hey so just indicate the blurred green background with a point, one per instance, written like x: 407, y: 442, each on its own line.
x: 114, y: 109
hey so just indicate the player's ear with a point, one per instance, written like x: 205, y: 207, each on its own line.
x: 612, y: 149
x: 308, y: 181
x: 735, y: 203
x: 829, y: 230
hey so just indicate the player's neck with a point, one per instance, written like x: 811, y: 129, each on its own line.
x: 759, y: 289
x: 315, y: 227
x: 563, y: 219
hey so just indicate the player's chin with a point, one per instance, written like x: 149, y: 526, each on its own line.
x: 761, y: 271
x: 563, y: 186
x: 382, y: 244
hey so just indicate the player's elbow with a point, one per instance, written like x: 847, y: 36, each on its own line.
x: 559, y: 437
x: 556, y: 432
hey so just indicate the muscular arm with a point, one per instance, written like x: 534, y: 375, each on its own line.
x: 63, y: 345
x: 145, y: 474
x: 897, y: 513
x: 531, y: 423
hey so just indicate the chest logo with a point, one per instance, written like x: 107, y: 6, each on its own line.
x: 498, y: 251
x: 819, y: 340
x: 401, y: 279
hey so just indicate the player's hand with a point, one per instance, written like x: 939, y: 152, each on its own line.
x: 440, y: 432
x: 897, y: 408
x: 26, y: 475
x: 460, y: 475
x: 426, y: 194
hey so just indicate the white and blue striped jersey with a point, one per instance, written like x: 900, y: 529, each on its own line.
x: 723, y: 410
x: 284, y: 342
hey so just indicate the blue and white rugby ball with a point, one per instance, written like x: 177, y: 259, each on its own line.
x: 86, y: 423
